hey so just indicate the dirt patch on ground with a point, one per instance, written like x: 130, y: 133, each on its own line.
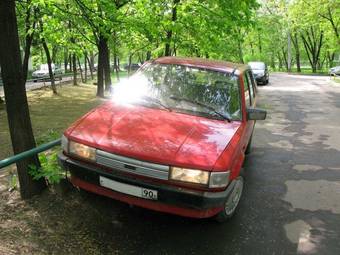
x: 53, y: 223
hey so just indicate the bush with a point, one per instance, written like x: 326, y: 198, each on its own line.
x: 49, y: 169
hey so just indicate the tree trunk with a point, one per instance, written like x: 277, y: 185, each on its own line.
x: 90, y: 67
x: 330, y: 58
x: 272, y: 61
x: 141, y: 58
x: 169, y: 33
x: 148, y: 55
x: 27, y: 54
x: 297, y: 52
x: 100, y: 70
x: 106, y: 63
x: 85, y: 65
x: 284, y: 57
x: 65, y: 59
x: 129, y: 64
x: 49, y: 63
x: 74, y: 66
x: 312, y: 44
x: 92, y: 60
x: 81, y: 71
x: 333, y: 23
x: 260, y: 41
x: 16, y: 101
x: 116, y: 65
x: 28, y: 41
x: 252, y: 48
x: 54, y: 54
x: 70, y: 61
x: 240, y: 52
x: 280, y: 60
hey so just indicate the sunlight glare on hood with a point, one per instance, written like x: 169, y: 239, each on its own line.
x: 130, y: 90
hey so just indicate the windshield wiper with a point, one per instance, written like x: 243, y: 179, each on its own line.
x: 225, y: 116
x: 156, y: 101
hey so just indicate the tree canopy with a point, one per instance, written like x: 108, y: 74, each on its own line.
x: 129, y: 31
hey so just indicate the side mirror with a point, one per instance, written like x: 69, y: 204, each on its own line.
x: 256, y: 114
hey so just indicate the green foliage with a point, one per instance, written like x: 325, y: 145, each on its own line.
x: 12, y: 182
x: 234, y: 30
x: 49, y: 169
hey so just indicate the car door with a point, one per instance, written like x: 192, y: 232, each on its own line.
x: 250, y: 90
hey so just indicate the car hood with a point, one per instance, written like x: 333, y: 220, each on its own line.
x: 154, y: 135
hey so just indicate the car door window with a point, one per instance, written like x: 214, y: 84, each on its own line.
x: 246, y: 91
x: 252, y: 87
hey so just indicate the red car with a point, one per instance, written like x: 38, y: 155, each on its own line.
x: 172, y: 139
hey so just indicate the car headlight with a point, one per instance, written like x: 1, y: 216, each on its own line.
x: 82, y: 150
x: 213, y: 179
x: 64, y: 143
x: 189, y: 175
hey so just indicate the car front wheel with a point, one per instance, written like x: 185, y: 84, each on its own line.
x: 232, y: 201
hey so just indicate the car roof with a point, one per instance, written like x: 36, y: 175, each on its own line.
x: 216, y: 65
x: 256, y: 62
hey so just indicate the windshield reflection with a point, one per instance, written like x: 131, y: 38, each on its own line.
x: 164, y: 82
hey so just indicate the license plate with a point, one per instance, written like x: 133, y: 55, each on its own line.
x: 128, y: 189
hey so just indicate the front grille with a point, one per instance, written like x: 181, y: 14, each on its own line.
x: 131, y: 165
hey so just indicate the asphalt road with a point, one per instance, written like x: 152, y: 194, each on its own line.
x: 291, y: 204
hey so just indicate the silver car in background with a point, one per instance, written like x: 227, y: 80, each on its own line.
x: 260, y: 72
x: 43, y: 74
x: 334, y: 71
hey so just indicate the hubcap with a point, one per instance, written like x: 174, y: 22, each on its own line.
x: 234, y: 197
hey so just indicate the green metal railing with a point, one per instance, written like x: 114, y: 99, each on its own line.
x: 26, y: 154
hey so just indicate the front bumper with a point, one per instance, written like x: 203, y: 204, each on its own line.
x: 171, y: 199
x: 261, y: 79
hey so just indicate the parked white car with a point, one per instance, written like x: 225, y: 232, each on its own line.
x: 43, y: 73
x: 334, y: 71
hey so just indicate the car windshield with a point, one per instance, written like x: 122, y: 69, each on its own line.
x: 257, y: 65
x: 195, y: 91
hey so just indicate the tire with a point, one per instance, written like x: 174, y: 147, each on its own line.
x: 248, y: 149
x: 232, y: 200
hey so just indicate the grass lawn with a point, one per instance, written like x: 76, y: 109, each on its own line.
x: 51, y: 113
